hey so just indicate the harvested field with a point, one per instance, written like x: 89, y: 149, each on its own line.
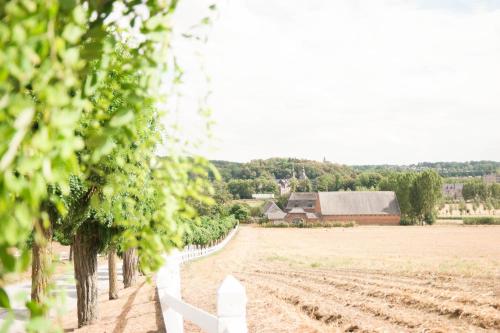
x: 433, y: 279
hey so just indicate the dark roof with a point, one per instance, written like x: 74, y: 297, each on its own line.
x: 359, y: 203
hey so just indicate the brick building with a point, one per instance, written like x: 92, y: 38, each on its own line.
x: 370, y: 208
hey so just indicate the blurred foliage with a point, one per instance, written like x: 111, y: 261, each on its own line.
x: 80, y: 82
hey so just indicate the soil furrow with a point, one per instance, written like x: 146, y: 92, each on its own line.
x: 484, y: 318
x: 412, y: 319
x: 347, y: 319
x: 444, y: 295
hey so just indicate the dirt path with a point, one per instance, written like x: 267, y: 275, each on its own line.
x: 358, y: 279
x: 137, y: 310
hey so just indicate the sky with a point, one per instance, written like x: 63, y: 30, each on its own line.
x: 355, y: 82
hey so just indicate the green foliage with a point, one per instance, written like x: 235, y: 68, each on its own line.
x: 349, y: 224
x: 241, y: 188
x: 406, y: 221
x: 417, y: 193
x: 481, y: 220
x: 304, y: 185
x: 244, y: 188
x: 425, y: 194
x: 255, y: 211
x: 266, y: 185
x: 78, y: 94
x: 240, y: 212
x: 475, y: 189
x: 279, y: 168
x: 209, y: 229
x: 282, y: 201
x: 445, y: 169
x: 401, y: 184
x: 368, y: 180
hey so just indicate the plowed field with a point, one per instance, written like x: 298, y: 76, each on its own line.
x: 363, y: 279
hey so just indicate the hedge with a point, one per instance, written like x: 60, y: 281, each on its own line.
x: 209, y: 229
x: 309, y: 225
x: 482, y: 220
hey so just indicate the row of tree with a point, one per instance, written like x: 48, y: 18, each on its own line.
x: 80, y: 84
x: 418, y: 194
x: 478, y: 190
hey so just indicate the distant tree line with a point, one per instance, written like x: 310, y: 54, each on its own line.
x: 259, y: 176
x: 445, y: 169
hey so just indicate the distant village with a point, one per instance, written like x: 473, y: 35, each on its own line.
x: 362, y: 207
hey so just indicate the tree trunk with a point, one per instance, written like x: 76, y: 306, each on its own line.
x: 113, y: 283
x: 42, y: 258
x: 70, y: 253
x: 85, y: 249
x: 130, y: 263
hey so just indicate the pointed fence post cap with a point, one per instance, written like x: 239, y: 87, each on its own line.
x: 231, y: 306
x: 231, y: 285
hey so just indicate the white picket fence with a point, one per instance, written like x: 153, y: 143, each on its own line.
x: 231, y: 296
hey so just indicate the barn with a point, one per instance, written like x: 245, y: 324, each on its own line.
x: 362, y: 207
x: 373, y: 207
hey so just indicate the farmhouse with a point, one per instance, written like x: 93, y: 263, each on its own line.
x: 272, y: 212
x: 374, y: 207
x: 306, y: 200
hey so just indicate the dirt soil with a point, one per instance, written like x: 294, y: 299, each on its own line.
x: 385, y: 279
x: 136, y: 310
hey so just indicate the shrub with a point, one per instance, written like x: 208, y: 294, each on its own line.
x: 310, y: 225
x: 482, y: 220
x: 255, y: 211
x: 407, y: 221
x: 430, y: 218
x: 240, y: 212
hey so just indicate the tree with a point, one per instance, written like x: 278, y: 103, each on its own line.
x: 266, y: 185
x: 112, y: 275
x: 304, y: 185
x: 368, y: 180
x: 425, y: 194
x: 325, y: 183
x: 240, y: 212
x: 476, y: 190
x: 282, y: 201
x: 294, y: 184
x: 241, y: 188
x: 42, y: 103
x: 130, y: 267
x: 77, y: 102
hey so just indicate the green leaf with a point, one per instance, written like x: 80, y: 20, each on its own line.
x: 79, y: 15
x: 72, y: 33
x: 121, y: 118
x: 4, y: 299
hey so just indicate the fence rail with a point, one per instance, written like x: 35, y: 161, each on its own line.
x: 231, y: 296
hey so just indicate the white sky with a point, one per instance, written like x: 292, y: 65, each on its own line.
x: 357, y: 82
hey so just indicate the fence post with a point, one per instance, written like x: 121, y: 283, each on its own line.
x: 231, y: 306
x: 172, y: 285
